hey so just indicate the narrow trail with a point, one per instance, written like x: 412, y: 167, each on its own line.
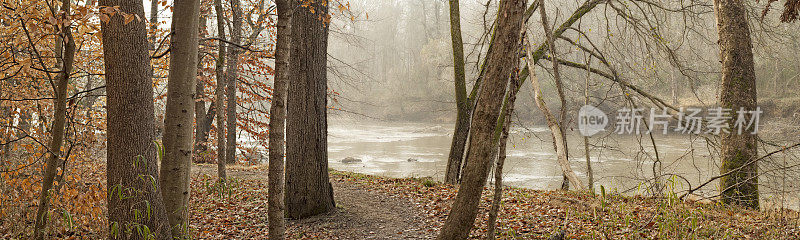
x: 359, y: 214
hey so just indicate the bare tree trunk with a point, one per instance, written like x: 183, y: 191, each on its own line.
x: 200, y: 136
x: 559, y: 139
x: 538, y: 54
x: 220, y: 91
x: 207, y: 122
x: 308, y: 191
x: 134, y: 198
x: 508, y: 107
x: 277, y: 122
x: 552, y: 123
x: 737, y: 151
x: 153, y: 23
x: 178, y: 118
x: 59, y: 123
x: 463, y: 107
x: 486, y: 126
x: 589, y: 171
x: 231, y: 76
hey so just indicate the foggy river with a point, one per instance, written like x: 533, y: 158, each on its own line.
x: 421, y: 150
x: 621, y: 165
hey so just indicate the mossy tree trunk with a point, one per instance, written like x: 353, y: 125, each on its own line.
x: 485, y: 132
x: 737, y: 151
x: 463, y: 106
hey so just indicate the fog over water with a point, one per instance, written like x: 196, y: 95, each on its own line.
x: 386, y: 147
x: 623, y: 164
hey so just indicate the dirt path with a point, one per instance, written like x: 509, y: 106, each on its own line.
x: 359, y: 214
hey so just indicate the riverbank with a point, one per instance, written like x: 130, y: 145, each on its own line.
x: 370, y: 207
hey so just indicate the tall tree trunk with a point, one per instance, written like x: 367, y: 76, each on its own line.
x: 508, y: 108
x: 59, y: 123
x: 589, y: 171
x: 219, y: 92
x: 308, y: 191
x: 207, y: 122
x: 231, y: 77
x: 562, y: 117
x: 552, y: 123
x: 538, y: 54
x: 153, y: 24
x: 200, y: 136
x: 178, y: 118
x: 463, y: 107
x: 277, y: 122
x: 737, y: 151
x: 134, y: 198
x: 485, y: 131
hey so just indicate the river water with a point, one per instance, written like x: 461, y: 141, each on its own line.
x: 621, y: 163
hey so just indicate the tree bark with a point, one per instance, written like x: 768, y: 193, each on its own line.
x: 134, y: 198
x: 538, y: 54
x: 277, y: 122
x: 219, y: 92
x: 59, y: 123
x: 231, y: 76
x: 464, y: 115
x: 207, y: 122
x: 737, y: 151
x: 552, y: 123
x: 485, y: 131
x: 562, y: 118
x: 463, y: 107
x: 153, y: 24
x: 508, y: 108
x: 178, y: 118
x: 586, y: 149
x: 308, y: 191
x: 200, y: 136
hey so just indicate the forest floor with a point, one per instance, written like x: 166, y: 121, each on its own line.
x: 370, y: 207
x: 241, y: 212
